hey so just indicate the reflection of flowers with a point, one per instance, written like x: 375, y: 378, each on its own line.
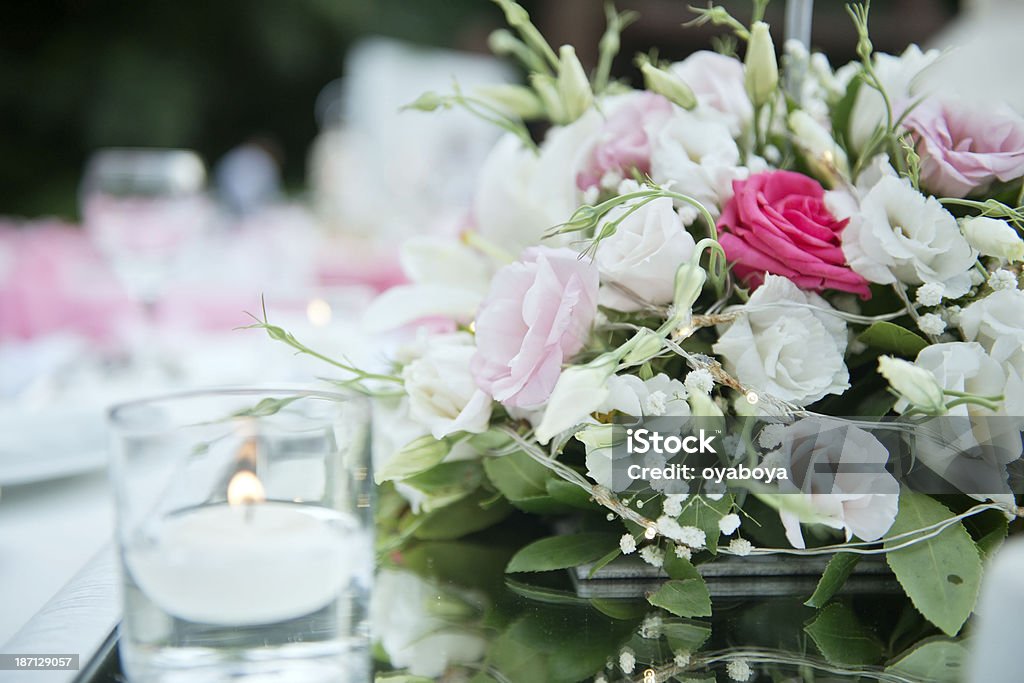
x: 837, y: 478
x: 408, y: 623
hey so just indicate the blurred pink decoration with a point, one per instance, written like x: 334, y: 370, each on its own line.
x: 53, y: 280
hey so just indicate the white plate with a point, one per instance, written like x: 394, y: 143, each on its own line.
x: 38, y: 445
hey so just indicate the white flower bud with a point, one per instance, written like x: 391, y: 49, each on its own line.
x: 579, y: 391
x: 514, y: 99
x: 573, y: 84
x: 993, y: 237
x: 762, y: 68
x: 664, y: 83
x: 916, y: 385
x: 689, y: 283
x: 824, y: 155
x: 645, y: 343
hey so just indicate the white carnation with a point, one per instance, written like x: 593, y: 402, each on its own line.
x: 786, y: 343
x: 898, y: 234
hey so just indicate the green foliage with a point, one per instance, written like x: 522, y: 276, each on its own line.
x: 683, y: 598
x: 561, y: 552
x: 704, y: 513
x: 419, y: 455
x: 890, y: 338
x: 937, y: 660
x: 836, y: 573
x: 941, y: 575
x: 842, y: 639
x: 475, y: 512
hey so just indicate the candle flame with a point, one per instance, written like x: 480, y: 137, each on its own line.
x: 245, y: 488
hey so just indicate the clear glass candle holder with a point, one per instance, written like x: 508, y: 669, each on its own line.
x: 245, y: 536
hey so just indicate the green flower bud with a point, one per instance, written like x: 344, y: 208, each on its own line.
x: 762, y: 69
x: 573, y: 84
x: 690, y: 279
x: 664, y: 83
x: 517, y: 100
x: 644, y: 344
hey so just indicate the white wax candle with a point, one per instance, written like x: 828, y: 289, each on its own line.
x: 246, y: 565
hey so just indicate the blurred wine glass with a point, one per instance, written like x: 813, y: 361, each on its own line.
x: 145, y: 209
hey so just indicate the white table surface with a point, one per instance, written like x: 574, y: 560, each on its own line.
x: 48, y: 532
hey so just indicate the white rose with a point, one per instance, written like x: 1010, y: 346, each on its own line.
x: 642, y: 256
x: 520, y: 194
x: 899, y: 234
x: 792, y: 352
x: 442, y: 394
x: 861, y: 503
x: 993, y: 237
x: 448, y: 279
x: 718, y: 83
x: 970, y: 453
x: 411, y: 634
x: 900, y: 76
x: 695, y: 152
x: 997, y: 323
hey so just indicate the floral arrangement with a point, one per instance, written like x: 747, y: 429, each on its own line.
x: 732, y: 241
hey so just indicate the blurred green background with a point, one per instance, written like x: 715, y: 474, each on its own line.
x: 76, y: 75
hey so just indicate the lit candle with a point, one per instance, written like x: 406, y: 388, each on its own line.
x: 246, y: 562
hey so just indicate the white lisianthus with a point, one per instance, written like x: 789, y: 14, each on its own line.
x: 447, y: 278
x: 786, y: 344
x: 414, y: 637
x: 442, y: 394
x: 718, y: 83
x: 521, y: 194
x: 642, y: 256
x: 971, y: 455
x: 694, y: 152
x: 898, y: 234
x: 915, y: 385
x: 859, y: 501
x: 901, y: 78
x: 997, y: 323
x: 993, y: 237
x: 629, y: 395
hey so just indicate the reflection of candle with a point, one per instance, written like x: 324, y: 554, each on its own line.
x: 247, y: 562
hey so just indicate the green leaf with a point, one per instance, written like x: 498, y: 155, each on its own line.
x: 679, y: 567
x: 544, y: 594
x: 604, y: 561
x: 936, y: 660
x: 620, y: 609
x: 705, y: 514
x: 561, y: 552
x: 266, y: 407
x: 941, y: 575
x: 470, y: 514
x: 570, y: 494
x: 446, y: 483
x: 836, y: 573
x: 517, y: 475
x: 419, y: 455
x: 842, y: 639
x: 891, y: 338
x: 687, y: 636
x: 685, y: 598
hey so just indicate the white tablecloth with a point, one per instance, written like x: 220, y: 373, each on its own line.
x: 48, y: 531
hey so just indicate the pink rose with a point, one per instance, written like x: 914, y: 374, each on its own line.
x: 963, y: 149
x: 537, y: 314
x: 623, y: 142
x: 777, y: 223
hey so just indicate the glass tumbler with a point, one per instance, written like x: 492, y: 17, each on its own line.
x: 245, y: 536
